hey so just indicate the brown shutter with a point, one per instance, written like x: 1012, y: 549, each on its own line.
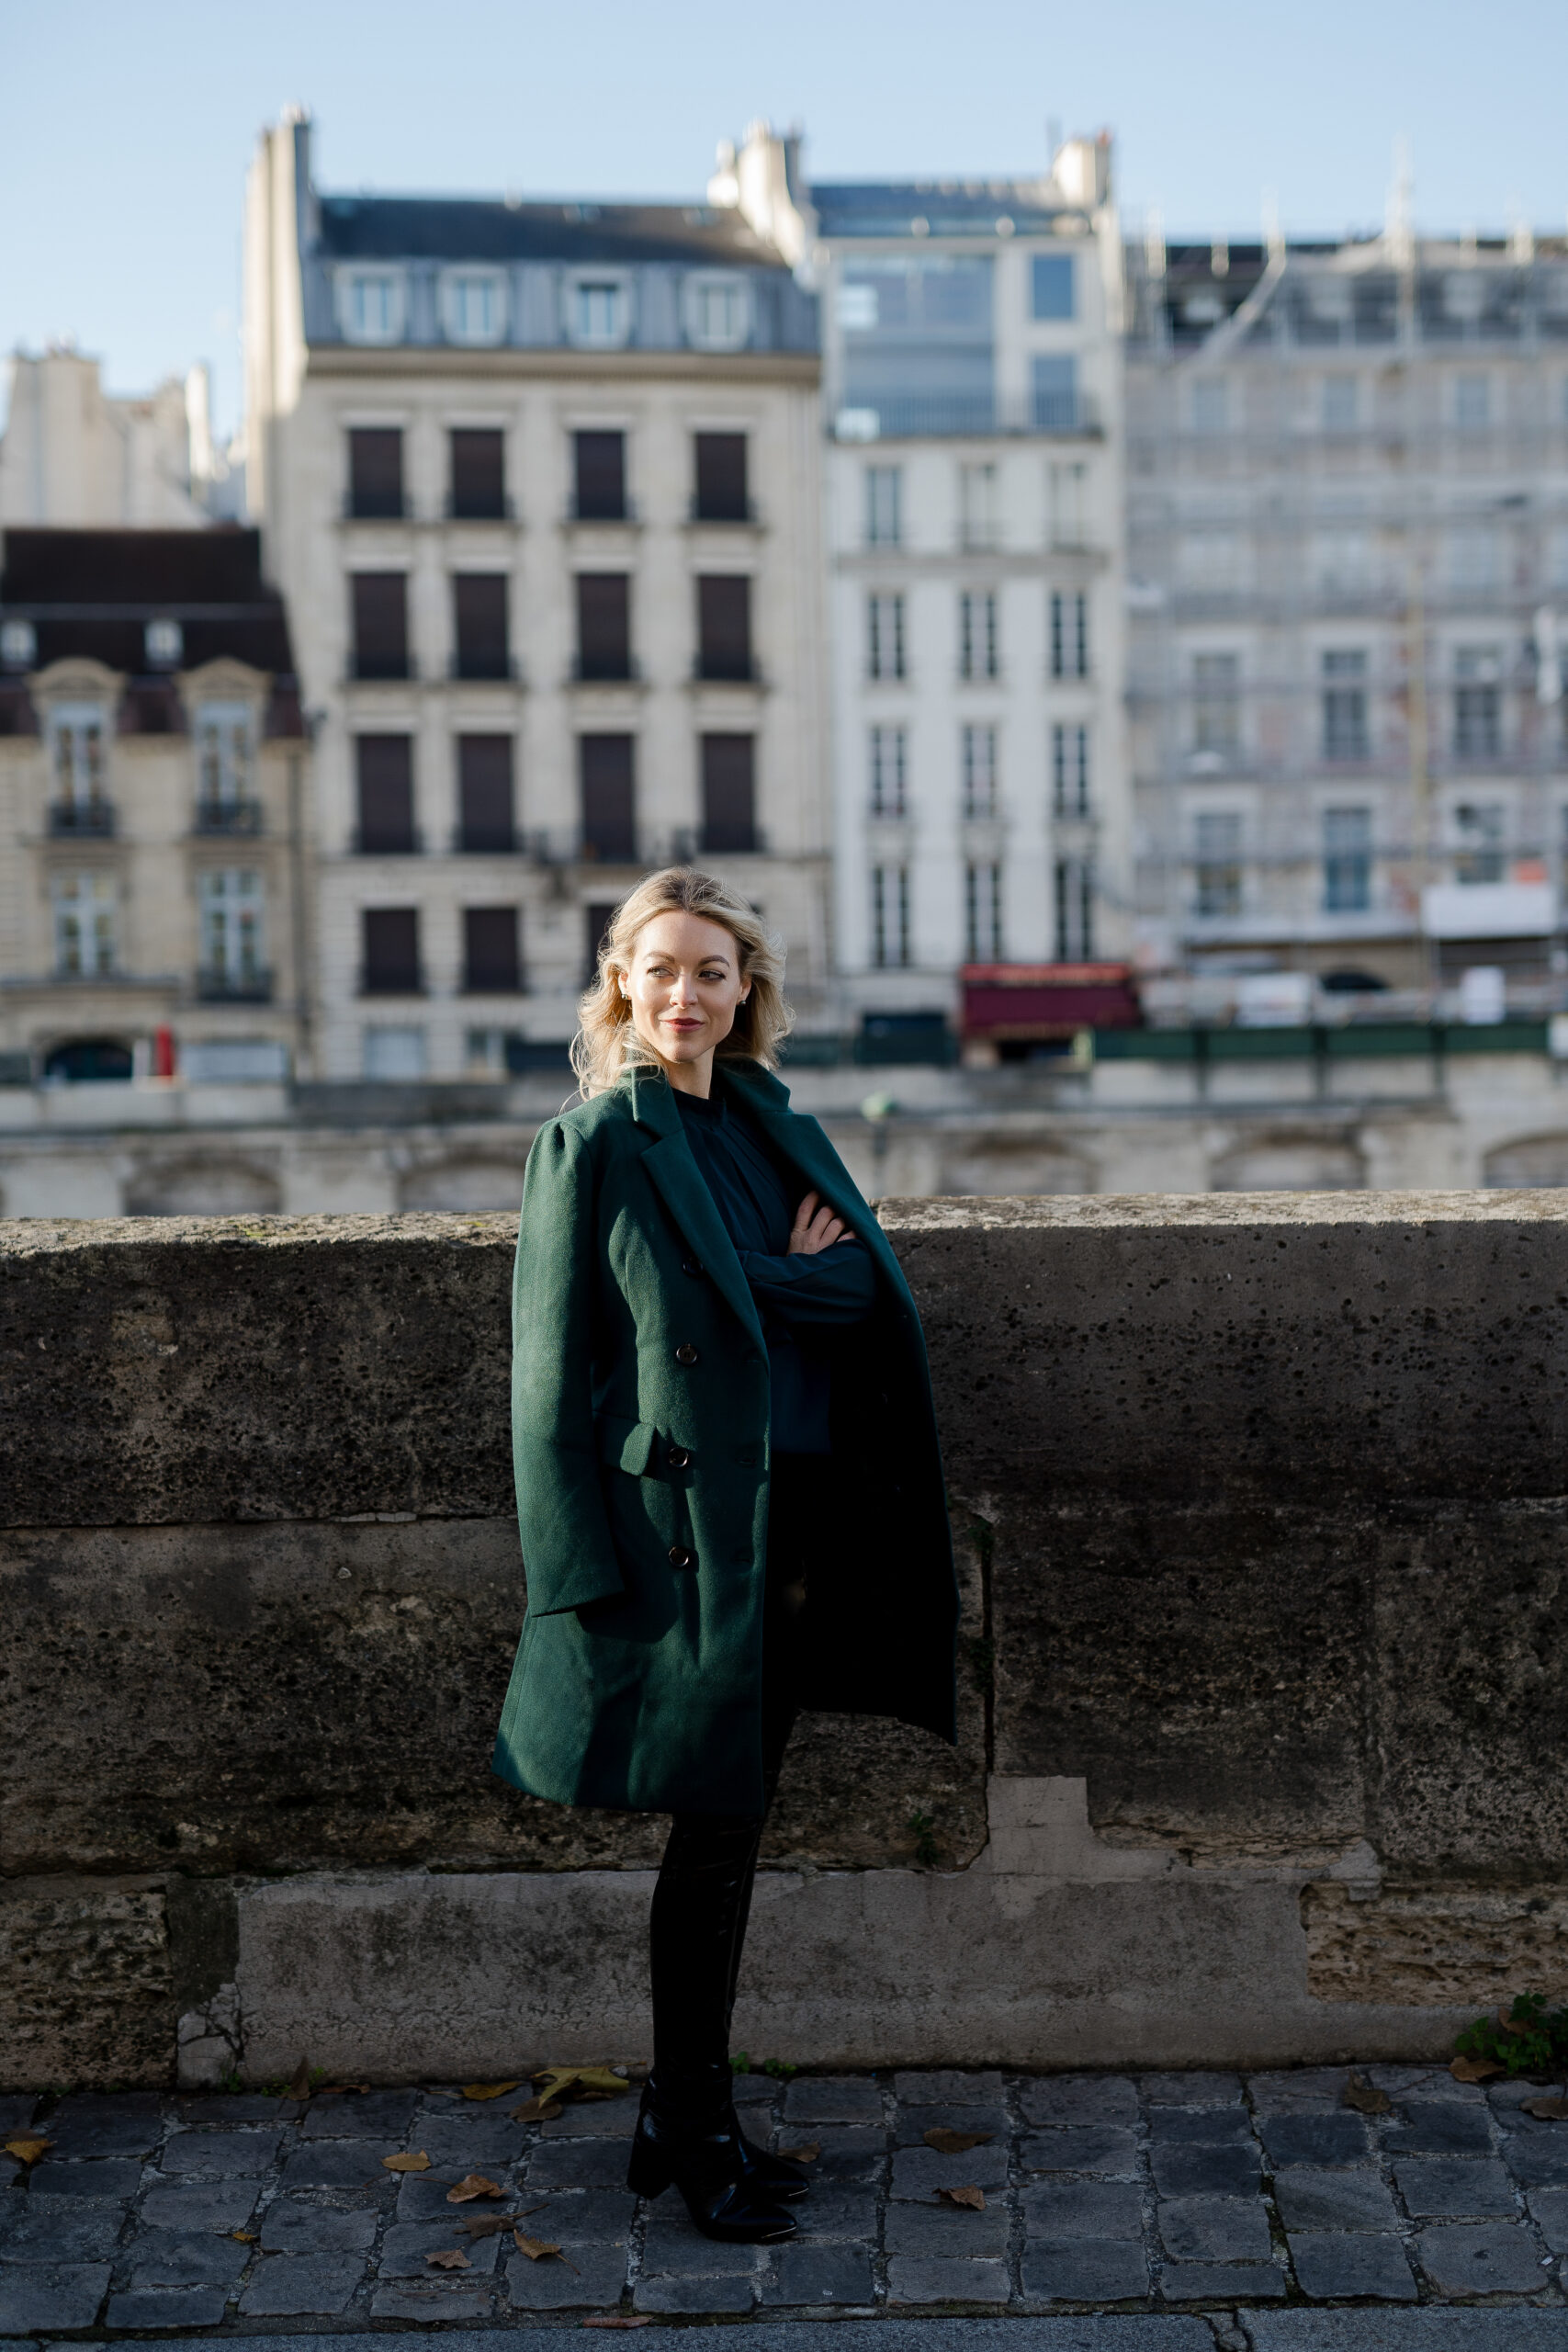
x: 604, y: 625
x: 390, y: 936
x: 721, y: 478
x: 376, y: 473
x: 485, y: 819
x: 598, y: 915
x: 729, y: 795
x: 384, y: 774
x: 491, y: 962
x: 380, y: 625
x: 609, y: 828
x: 724, y: 625
x: 599, y: 477
x: 479, y: 476
x: 480, y: 611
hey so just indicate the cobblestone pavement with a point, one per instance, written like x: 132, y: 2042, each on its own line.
x: 1205, y: 2193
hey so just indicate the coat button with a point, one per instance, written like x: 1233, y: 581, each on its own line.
x: 680, y: 1558
x: 685, y: 1352
x: 691, y: 1266
x: 679, y: 1458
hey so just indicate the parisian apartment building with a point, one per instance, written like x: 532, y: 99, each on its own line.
x: 1348, y: 558
x: 541, y: 486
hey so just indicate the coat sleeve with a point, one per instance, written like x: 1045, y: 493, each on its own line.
x: 567, y: 1556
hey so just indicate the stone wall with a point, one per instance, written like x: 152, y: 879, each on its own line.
x: 1260, y: 1508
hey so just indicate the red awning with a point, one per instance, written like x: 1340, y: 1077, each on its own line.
x: 1047, y: 1000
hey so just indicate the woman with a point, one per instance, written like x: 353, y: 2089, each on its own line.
x: 709, y: 1326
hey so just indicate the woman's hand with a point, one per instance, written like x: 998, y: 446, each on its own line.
x: 814, y: 1227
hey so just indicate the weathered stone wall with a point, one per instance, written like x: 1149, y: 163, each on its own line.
x: 1261, y: 1504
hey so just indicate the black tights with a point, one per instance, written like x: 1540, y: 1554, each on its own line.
x: 703, y: 1899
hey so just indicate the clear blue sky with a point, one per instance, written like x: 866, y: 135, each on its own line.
x: 128, y: 128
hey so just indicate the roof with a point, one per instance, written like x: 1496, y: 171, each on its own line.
x: 417, y: 228
x: 943, y: 208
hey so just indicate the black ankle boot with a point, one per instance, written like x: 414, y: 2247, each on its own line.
x: 685, y: 2139
x: 766, y: 2174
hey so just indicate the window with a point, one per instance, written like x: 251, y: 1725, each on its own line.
x: 889, y: 916
x: 1051, y: 286
x: 392, y: 1055
x: 729, y: 795
x: 1069, y: 772
x: 233, y: 960
x: 486, y: 824
x: 479, y: 625
x: 1069, y: 505
x: 1210, y: 406
x: 918, y: 343
x: 1473, y: 558
x: 1214, y: 562
x: 18, y: 645
x: 883, y: 506
x: 1479, y: 830
x: 224, y: 766
x: 1344, y: 707
x: 1341, y: 403
x: 1472, y: 402
x: 978, y: 746
x: 78, y: 747
x: 889, y: 757
x: 597, y: 919
x: 718, y: 312
x: 1069, y: 633
x: 605, y: 783
x: 599, y: 477
x: 724, y: 626
x: 374, y: 474
x: 1346, y: 861
x: 370, y: 304
x: 1216, y: 706
x: 977, y: 633
x: 1074, y: 909
x: 85, y: 926
x: 1054, y: 376
x: 598, y: 311
x: 163, y: 644
x: 885, y: 636
x: 1477, y: 703
x: 390, y: 941
x: 721, y: 493
x: 384, y: 778
x: 473, y: 305
x: 1218, y: 864
x: 492, y: 964
x: 978, y: 505
x: 1342, y: 562
x: 604, y: 625
x: 982, y: 913
x: 380, y: 624
x: 478, y: 476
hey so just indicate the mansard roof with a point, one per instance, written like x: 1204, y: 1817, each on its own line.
x: 940, y: 207
x: 468, y: 228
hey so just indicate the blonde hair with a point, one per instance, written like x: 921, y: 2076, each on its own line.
x: 606, y: 1042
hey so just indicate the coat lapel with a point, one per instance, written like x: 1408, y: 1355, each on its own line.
x: 802, y: 1142
x: 679, y: 1183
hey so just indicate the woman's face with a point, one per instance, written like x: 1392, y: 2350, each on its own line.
x: 684, y: 987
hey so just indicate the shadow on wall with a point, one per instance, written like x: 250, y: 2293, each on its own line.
x: 465, y: 1186
x: 203, y: 1188
x: 993, y: 1166
x: 1536, y: 1159
x: 1288, y: 1162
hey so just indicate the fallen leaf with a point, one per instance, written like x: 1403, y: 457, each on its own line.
x: 406, y: 2163
x: 27, y: 2152
x: 614, y: 2319
x: 299, y: 2081
x: 246, y: 2237
x: 1364, y: 2097
x: 338, y: 2090
x: 450, y: 2257
x: 561, y: 2082
x: 1474, y: 2070
x: 975, y: 2199
x: 536, y: 2249
x: 490, y: 2090
x: 956, y: 2144
x: 473, y: 2185
x: 1549, y: 2110
x: 489, y: 2225
x: 806, y: 2154
x: 536, y: 2111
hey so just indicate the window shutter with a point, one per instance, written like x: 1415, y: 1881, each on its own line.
x: 484, y: 793
x: 598, y: 915
x: 380, y: 625
x: 478, y: 476
x: 724, y: 625
x: 376, y: 473
x: 608, y: 814
x: 390, y: 936
x: 384, y: 765
x: 721, y: 478
x: 729, y: 795
x: 600, y: 470
x: 480, y: 609
x: 490, y: 963
x: 604, y: 625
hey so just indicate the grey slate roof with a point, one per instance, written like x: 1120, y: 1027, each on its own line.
x: 947, y: 208
x: 459, y: 229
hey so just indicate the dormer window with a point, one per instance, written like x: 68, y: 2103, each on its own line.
x: 370, y: 305
x: 165, y: 644
x: 18, y: 645
x: 598, y: 310
x: 473, y: 305
x: 718, y: 310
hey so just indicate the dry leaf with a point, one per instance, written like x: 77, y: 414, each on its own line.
x: 806, y: 2154
x: 449, y: 2258
x: 299, y: 2081
x: 473, y: 2185
x: 490, y: 2090
x: 1474, y: 2070
x: 536, y: 2249
x: 26, y: 2151
x: 614, y: 2319
x: 975, y: 2199
x: 956, y: 2144
x: 489, y: 2225
x: 1549, y: 2111
x: 246, y: 2237
x: 416, y: 2163
x: 536, y: 2111
x: 1364, y: 2097
x: 560, y: 2082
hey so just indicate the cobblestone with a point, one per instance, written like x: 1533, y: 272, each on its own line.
x: 1332, y: 2264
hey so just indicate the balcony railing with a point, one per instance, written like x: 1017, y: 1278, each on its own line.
x: 233, y: 988
x: 472, y: 508
x: 485, y: 841
x: 376, y: 507
x: 229, y: 817
x: 727, y: 510
x: 606, y: 670
x: 366, y: 668
x: 478, y: 663
x: 716, y: 668
x: 963, y: 415
x: 82, y: 820
x: 367, y: 843
x: 597, y: 510
x: 386, y: 981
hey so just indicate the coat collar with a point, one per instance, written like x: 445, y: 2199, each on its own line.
x: 679, y: 1183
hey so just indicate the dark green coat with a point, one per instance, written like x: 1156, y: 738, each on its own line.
x: 639, y: 1424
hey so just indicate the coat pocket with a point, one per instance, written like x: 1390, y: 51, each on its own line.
x: 650, y: 1510
x: 632, y: 1446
